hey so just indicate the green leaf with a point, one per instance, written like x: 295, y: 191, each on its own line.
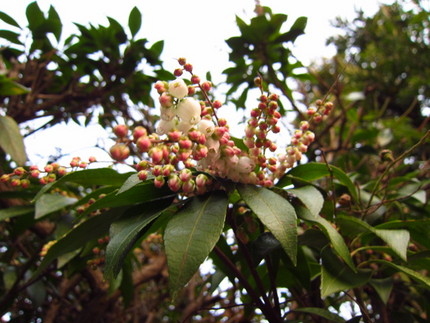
x: 310, y: 197
x: 383, y: 287
x: 336, y: 277
x: 93, y: 228
x: 334, y: 236
x: 332, y: 317
x: 134, y: 21
x: 124, y: 233
x: 15, y: 211
x: 88, y: 177
x: 398, y: 240
x: 9, y: 87
x: 191, y: 234
x: 8, y: 19
x: 11, y: 140
x: 49, y: 203
x: 12, y: 37
x: 55, y: 24
x: 276, y: 213
x: 313, y: 171
x: 132, y: 181
x: 411, y: 273
x: 34, y: 15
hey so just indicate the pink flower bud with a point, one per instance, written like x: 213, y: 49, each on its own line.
x: 160, y: 87
x: 144, y: 144
x: 143, y: 175
x: 157, y: 170
x: 120, y: 130
x: 217, y: 104
x: 189, y: 187
x: 119, y: 152
x: 201, y: 180
x: 159, y: 181
x: 195, y: 79
x: 138, y: 132
x: 174, y: 183
x: 156, y: 155
x: 185, y: 175
x: 165, y: 100
x: 206, y: 86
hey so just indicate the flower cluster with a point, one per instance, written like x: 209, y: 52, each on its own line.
x: 192, y: 146
x: 22, y: 177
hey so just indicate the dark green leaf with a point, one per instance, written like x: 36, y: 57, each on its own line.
x: 15, y: 211
x: 383, y: 287
x: 134, y: 21
x: 276, y: 213
x: 411, y: 273
x: 34, y: 15
x: 49, y: 203
x: 310, y: 197
x: 191, y: 234
x: 313, y: 171
x: 55, y: 24
x: 9, y: 87
x: 93, y: 228
x: 132, y: 181
x: 336, y: 277
x: 125, y: 232
x: 334, y: 236
x: 332, y: 317
x: 11, y: 140
x: 10, y: 36
x: 8, y: 19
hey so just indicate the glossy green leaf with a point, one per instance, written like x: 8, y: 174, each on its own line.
x: 313, y: 171
x: 276, y: 213
x: 332, y: 317
x: 134, y: 21
x: 14, y: 211
x: 124, y: 233
x: 49, y: 203
x: 310, y: 197
x: 8, y: 19
x: 191, y: 234
x: 93, y: 228
x: 336, y: 277
x: 141, y: 193
x: 398, y: 240
x: 88, y: 177
x: 11, y: 140
x: 411, y: 273
x: 132, y: 181
x: 334, y: 236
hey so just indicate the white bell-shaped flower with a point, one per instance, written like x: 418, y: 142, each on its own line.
x: 178, y: 89
x: 164, y: 126
x: 206, y: 127
x: 189, y: 110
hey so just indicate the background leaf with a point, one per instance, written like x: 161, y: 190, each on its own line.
x: 11, y: 140
x: 134, y: 21
x: 49, y: 203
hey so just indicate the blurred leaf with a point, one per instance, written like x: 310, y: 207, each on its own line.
x: 13, y: 38
x: 132, y: 181
x: 90, y: 229
x: 332, y: 317
x: 310, y: 197
x: 11, y: 140
x: 191, y: 234
x: 276, y: 213
x: 134, y: 21
x: 15, y: 211
x: 383, y: 287
x: 49, y: 203
x: 336, y: 277
x: 54, y: 23
x: 8, y: 87
x: 398, y: 240
x: 411, y: 273
x: 313, y: 171
x: 125, y: 232
x: 8, y: 19
x: 334, y: 236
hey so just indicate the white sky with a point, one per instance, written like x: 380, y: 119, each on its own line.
x: 195, y: 29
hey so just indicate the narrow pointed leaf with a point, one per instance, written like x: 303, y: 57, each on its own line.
x: 124, y: 233
x: 334, y: 236
x: 336, y: 277
x: 134, y: 21
x: 11, y: 140
x: 310, y: 197
x: 14, y: 211
x: 276, y: 213
x: 332, y: 317
x: 191, y: 234
x: 8, y: 19
x: 132, y: 181
x: 49, y: 203
x: 411, y: 273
